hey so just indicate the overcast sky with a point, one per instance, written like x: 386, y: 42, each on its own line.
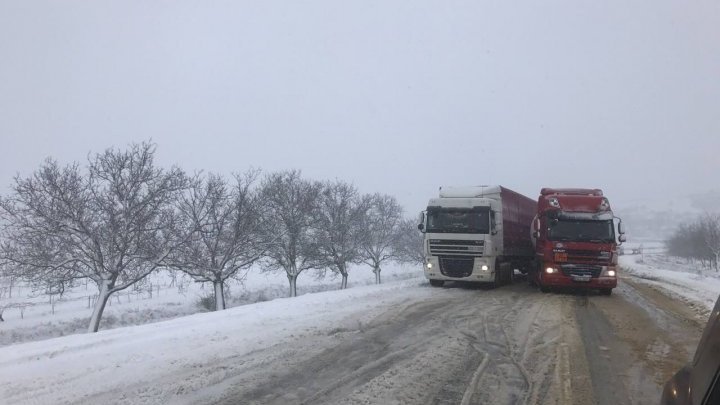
x: 397, y: 97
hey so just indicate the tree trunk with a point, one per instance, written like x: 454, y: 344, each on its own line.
x: 342, y: 269
x: 292, y: 278
x: 376, y: 270
x: 219, y: 295
x: 103, y: 296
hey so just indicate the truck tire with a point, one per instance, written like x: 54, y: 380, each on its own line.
x: 531, y: 279
x: 503, y: 273
x: 499, y: 278
x: 606, y: 291
x: 437, y: 283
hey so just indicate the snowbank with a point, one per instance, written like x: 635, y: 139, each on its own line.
x: 686, y: 281
x: 31, y: 317
x: 184, y: 354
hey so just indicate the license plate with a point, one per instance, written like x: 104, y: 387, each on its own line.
x: 560, y: 257
x: 583, y: 279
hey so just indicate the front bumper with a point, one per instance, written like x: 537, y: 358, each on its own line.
x: 560, y: 279
x: 477, y: 275
x: 552, y: 280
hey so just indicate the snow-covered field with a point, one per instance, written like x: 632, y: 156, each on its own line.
x: 75, y: 368
x: 30, y: 316
x: 687, y: 281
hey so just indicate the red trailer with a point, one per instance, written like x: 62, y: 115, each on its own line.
x: 517, y: 215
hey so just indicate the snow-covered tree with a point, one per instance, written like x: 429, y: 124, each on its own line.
x: 380, y: 227
x: 290, y: 204
x: 711, y: 234
x: 225, y: 225
x: 7, y: 280
x: 339, y: 230
x: 409, y: 246
x: 699, y: 240
x: 112, y: 223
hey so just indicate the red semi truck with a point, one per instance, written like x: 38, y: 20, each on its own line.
x: 575, y: 240
x: 477, y: 234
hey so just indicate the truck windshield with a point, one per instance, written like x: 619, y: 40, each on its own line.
x: 582, y: 230
x: 458, y: 221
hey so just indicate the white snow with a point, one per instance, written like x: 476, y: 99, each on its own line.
x: 684, y: 280
x: 186, y: 354
x: 71, y: 313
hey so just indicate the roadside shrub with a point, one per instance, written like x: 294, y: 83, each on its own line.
x: 206, y: 302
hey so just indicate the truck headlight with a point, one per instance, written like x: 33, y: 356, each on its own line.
x: 429, y: 265
x: 484, y: 267
x: 550, y: 270
x: 606, y: 272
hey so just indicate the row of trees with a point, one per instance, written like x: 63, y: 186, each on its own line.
x: 699, y: 240
x: 122, y: 217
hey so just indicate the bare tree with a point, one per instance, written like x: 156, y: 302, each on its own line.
x: 7, y: 280
x: 699, y: 240
x: 5, y: 290
x: 339, y: 230
x: 225, y: 228
x: 380, y: 239
x: 409, y: 246
x: 711, y: 235
x: 112, y: 223
x: 291, y: 209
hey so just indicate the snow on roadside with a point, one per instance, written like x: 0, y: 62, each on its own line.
x: 695, y: 286
x: 40, y: 320
x: 75, y: 368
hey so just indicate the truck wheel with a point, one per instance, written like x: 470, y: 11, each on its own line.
x: 531, y: 279
x: 605, y: 291
x: 499, y: 278
x: 503, y: 273
x: 437, y: 283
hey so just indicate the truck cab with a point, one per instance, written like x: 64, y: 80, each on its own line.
x: 466, y: 234
x: 575, y: 240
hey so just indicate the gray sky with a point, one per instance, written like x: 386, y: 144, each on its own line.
x: 398, y: 97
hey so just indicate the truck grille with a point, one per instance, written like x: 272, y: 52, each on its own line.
x: 438, y: 247
x: 586, y: 256
x: 581, y: 270
x: 456, y: 266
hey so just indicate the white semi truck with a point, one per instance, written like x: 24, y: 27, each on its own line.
x: 477, y: 234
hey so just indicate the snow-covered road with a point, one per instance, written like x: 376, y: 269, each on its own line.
x: 511, y: 345
x: 399, y: 343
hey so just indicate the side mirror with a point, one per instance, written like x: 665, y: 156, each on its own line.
x: 421, y: 227
x: 536, y: 227
x: 622, y: 238
x: 621, y: 228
